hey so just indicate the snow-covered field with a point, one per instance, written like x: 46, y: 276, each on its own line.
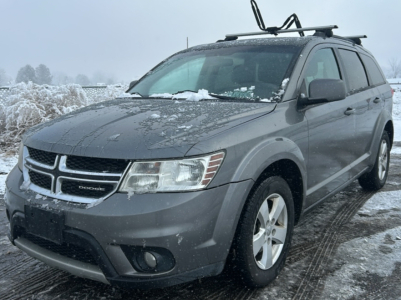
x: 26, y: 105
x: 397, y: 111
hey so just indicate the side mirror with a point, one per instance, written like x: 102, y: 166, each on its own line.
x: 323, y: 90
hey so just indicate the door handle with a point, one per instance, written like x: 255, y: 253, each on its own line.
x: 349, y: 111
x: 377, y: 100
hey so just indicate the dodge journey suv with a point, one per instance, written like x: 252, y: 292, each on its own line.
x: 213, y: 158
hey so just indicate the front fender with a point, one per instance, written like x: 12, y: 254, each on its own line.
x: 266, y: 153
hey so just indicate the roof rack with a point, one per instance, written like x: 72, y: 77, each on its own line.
x: 327, y: 30
x: 355, y: 38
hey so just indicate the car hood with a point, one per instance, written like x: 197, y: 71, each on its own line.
x: 140, y: 129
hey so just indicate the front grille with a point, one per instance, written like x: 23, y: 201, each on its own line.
x: 47, y: 158
x: 98, y: 165
x: 67, y: 250
x: 74, y: 178
x: 86, y: 189
x: 41, y: 180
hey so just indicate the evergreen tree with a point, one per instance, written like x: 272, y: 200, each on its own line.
x: 26, y: 74
x: 4, y: 78
x: 82, y: 80
x: 43, y: 75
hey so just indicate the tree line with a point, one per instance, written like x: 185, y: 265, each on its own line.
x: 42, y: 75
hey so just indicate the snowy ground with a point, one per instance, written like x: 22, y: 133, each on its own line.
x: 7, y: 162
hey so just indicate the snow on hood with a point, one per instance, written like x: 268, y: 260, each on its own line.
x: 140, y: 129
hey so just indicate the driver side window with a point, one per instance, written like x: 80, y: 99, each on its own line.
x: 323, y: 65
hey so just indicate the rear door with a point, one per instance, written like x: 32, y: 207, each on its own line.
x: 361, y: 95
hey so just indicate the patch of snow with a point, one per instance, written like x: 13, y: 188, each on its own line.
x: 381, y: 201
x: 7, y: 162
x: 155, y: 116
x: 397, y: 112
x: 395, y: 150
x: 25, y: 185
x: 164, y: 95
x: 127, y: 95
x: 180, y: 238
x: 113, y: 137
x: 189, y: 96
x: 362, y: 255
x: 172, y: 117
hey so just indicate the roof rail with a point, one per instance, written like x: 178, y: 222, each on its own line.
x: 356, y: 39
x: 327, y: 30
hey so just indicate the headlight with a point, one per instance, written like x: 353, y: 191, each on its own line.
x: 172, y: 175
x: 21, y: 156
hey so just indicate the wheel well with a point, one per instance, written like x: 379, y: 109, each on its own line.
x: 289, y: 171
x: 390, y: 131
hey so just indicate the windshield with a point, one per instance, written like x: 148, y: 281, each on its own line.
x: 247, y: 73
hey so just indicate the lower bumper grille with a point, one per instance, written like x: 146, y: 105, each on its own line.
x: 67, y: 250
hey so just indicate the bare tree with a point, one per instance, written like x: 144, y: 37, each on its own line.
x: 395, y: 67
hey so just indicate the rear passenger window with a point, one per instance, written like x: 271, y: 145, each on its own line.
x: 373, y: 70
x: 323, y: 65
x: 356, y: 72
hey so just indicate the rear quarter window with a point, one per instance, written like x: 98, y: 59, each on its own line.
x: 376, y: 76
x: 357, y: 78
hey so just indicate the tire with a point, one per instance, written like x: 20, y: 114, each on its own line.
x: 264, y: 233
x: 376, y: 178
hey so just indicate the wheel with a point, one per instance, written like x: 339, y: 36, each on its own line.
x: 264, y: 234
x: 376, y: 178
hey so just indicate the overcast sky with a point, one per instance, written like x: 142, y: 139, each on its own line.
x: 126, y: 38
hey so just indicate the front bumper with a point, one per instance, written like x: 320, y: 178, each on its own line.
x: 197, y: 228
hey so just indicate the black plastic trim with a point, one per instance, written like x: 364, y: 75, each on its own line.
x: 161, y: 282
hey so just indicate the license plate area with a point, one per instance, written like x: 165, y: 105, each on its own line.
x: 47, y: 224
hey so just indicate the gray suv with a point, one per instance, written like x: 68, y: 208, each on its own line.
x: 213, y: 158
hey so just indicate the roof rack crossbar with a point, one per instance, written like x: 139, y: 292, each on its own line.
x: 319, y: 28
x: 355, y: 37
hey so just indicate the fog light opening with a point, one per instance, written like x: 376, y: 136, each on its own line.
x: 150, y: 260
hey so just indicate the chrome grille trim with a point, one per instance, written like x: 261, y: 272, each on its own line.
x: 63, y: 173
x: 44, y: 166
x: 63, y: 167
x: 40, y: 172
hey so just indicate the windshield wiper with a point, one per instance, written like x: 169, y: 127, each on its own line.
x: 133, y: 95
x: 228, y: 97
